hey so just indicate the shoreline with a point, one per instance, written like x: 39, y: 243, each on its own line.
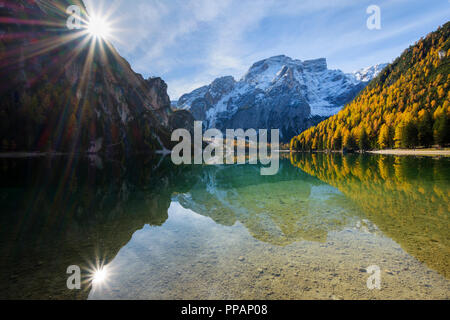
x: 11, y: 155
x: 413, y: 152
x: 396, y: 152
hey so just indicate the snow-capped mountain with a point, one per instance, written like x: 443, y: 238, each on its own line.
x: 367, y: 74
x: 276, y: 93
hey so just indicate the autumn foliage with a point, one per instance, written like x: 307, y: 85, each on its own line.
x: 406, y: 106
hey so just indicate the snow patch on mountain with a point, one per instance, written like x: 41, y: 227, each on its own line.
x: 367, y: 74
x: 298, y: 89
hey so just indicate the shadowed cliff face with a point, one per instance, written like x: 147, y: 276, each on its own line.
x: 62, y: 212
x: 66, y: 91
x: 405, y: 197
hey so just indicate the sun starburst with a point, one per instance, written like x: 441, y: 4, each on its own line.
x: 98, y: 27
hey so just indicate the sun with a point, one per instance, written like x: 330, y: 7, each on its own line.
x: 100, y: 276
x: 98, y: 27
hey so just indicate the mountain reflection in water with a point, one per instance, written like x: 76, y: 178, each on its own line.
x: 58, y: 212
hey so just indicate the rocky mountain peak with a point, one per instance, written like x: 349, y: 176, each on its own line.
x: 263, y: 72
x: 221, y: 86
x: 277, y: 92
x: 367, y: 74
x: 316, y: 65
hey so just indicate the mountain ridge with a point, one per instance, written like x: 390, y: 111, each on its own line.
x: 281, y: 92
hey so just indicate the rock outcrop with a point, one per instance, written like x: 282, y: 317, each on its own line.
x: 63, y: 90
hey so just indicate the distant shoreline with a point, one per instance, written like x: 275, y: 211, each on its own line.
x: 11, y: 155
x: 395, y: 152
x: 413, y: 152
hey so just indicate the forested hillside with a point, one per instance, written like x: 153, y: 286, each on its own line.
x: 406, y: 106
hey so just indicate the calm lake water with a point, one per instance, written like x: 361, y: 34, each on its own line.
x: 226, y: 232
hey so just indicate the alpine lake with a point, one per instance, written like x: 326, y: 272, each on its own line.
x: 159, y: 231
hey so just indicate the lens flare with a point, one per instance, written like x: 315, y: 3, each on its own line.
x: 100, y: 276
x: 98, y: 27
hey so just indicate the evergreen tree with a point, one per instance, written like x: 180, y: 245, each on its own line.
x: 425, y: 128
x: 349, y: 141
x: 441, y: 130
x: 363, y: 140
x: 337, y: 141
x: 5, y: 145
x: 409, y: 135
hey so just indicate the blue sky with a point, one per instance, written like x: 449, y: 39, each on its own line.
x: 189, y: 43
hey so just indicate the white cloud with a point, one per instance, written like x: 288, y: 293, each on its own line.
x: 181, y: 86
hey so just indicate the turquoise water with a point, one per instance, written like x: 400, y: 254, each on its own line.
x: 226, y: 232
